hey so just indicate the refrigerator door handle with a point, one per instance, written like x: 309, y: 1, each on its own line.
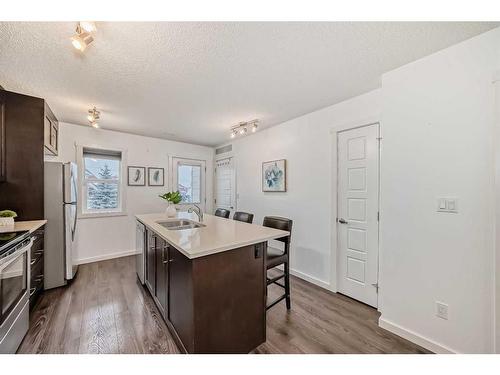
x: 73, y: 230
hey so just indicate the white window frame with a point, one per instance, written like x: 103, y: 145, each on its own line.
x: 174, y: 162
x: 122, y: 201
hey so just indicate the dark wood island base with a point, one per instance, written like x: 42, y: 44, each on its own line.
x: 211, y: 304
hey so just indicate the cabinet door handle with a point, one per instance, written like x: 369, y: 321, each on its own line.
x: 163, y: 254
x: 33, y: 261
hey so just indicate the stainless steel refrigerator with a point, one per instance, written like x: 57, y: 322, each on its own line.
x: 60, y: 230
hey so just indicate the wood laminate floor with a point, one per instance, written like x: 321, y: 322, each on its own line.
x: 105, y: 310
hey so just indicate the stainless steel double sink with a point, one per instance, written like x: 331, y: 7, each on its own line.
x: 180, y: 224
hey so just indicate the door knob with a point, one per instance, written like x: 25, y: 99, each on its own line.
x: 342, y: 221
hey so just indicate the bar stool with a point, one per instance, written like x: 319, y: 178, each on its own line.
x: 276, y: 257
x: 243, y: 216
x: 221, y: 212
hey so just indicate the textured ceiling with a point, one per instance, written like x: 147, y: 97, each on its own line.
x: 192, y: 81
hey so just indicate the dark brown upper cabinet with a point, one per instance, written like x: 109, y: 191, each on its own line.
x: 23, y: 119
x: 51, y: 132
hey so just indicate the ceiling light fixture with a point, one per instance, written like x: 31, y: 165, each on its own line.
x: 242, y: 128
x: 87, y: 26
x: 83, y: 36
x: 93, y: 116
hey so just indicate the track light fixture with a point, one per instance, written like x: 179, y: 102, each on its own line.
x: 93, y: 116
x: 83, y: 36
x: 243, y: 127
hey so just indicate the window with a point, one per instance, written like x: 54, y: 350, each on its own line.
x: 102, y: 182
x: 189, y: 182
x: 189, y: 179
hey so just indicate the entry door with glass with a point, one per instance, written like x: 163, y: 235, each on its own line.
x: 189, y: 178
x: 225, y: 184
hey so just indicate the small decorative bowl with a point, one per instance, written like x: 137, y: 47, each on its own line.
x: 6, y: 221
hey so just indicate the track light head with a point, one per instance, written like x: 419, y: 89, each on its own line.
x: 81, y: 41
x: 87, y: 26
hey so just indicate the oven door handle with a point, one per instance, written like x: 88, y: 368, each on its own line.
x: 5, y: 262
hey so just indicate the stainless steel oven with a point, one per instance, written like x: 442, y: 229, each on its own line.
x: 14, y: 293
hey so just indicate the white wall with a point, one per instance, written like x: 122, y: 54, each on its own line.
x: 306, y: 144
x: 437, y: 129
x: 99, y: 238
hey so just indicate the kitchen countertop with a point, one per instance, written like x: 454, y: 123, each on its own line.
x: 218, y: 235
x: 19, y: 226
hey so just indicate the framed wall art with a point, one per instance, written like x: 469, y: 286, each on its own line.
x: 274, y: 176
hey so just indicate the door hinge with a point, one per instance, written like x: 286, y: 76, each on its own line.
x: 378, y: 216
x: 376, y: 286
x: 379, y: 139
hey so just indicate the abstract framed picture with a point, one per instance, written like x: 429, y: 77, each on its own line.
x: 156, y: 176
x: 274, y: 176
x: 136, y: 176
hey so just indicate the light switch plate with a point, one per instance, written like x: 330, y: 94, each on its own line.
x: 442, y: 310
x: 451, y: 205
x: 447, y: 204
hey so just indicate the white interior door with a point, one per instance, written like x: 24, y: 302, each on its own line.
x: 188, y: 176
x: 357, y: 216
x: 225, y: 184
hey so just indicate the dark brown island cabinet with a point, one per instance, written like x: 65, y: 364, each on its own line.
x: 213, y: 303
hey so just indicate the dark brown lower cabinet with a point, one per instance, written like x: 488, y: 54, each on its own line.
x: 161, y: 291
x: 150, y: 279
x: 36, y: 266
x: 211, y: 304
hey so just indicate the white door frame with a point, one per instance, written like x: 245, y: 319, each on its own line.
x: 496, y: 289
x: 334, y: 204
x: 226, y: 155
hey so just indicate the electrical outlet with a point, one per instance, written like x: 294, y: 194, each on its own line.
x: 441, y: 310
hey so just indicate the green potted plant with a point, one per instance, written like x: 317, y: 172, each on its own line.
x: 173, y: 198
x: 7, y: 218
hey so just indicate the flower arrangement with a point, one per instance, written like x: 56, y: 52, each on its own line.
x: 173, y: 198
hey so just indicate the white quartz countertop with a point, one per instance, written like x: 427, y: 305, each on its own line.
x: 216, y: 236
x: 20, y: 226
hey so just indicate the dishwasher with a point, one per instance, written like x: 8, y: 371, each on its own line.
x: 140, y: 246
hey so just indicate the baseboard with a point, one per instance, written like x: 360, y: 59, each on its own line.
x: 414, y: 337
x: 311, y: 279
x: 106, y: 257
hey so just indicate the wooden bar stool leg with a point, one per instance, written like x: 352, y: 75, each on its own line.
x: 287, y: 286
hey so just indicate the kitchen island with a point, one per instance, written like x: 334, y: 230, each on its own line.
x: 208, y: 280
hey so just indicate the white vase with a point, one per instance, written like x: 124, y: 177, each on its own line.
x: 6, y: 221
x: 171, y: 211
